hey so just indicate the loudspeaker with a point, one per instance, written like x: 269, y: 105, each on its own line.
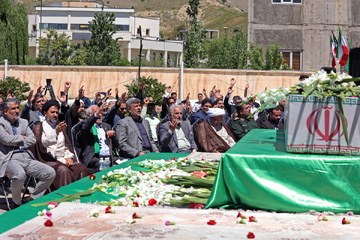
x: 354, y: 63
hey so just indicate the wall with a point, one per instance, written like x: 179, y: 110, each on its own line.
x: 102, y: 78
x: 306, y: 27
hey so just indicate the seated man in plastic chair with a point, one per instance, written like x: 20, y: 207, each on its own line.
x: 53, y: 147
x: 16, y: 160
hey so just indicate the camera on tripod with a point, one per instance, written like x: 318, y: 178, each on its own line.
x: 49, y: 88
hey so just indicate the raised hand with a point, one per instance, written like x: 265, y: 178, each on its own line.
x: 31, y: 96
x: 62, y: 97
x: 116, y: 91
x: 232, y: 82
x: 108, y: 94
x: 230, y: 90
x: 9, y: 94
x: 67, y: 85
x: 81, y: 93
x: 40, y: 90
x: 102, y: 108
x: 173, y: 124
x: 142, y: 86
x: 169, y: 89
x: 123, y: 97
x: 247, y: 86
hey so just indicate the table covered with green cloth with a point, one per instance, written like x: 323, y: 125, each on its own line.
x: 26, y: 212
x: 258, y: 173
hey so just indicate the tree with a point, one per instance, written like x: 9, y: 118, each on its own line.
x: 14, y: 38
x: 228, y: 52
x: 271, y: 60
x: 55, y: 48
x: 196, y: 37
x: 103, y: 49
x: 153, y: 89
x: 17, y: 88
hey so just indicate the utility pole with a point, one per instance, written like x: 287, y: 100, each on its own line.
x: 140, y: 55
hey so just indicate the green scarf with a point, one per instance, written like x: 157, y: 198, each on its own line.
x: 96, y: 140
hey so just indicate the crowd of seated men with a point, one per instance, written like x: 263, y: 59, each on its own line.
x: 59, y: 143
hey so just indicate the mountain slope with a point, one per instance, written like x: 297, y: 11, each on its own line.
x: 215, y: 14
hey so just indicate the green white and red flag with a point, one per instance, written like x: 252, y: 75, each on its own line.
x: 342, y: 50
x: 333, y: 52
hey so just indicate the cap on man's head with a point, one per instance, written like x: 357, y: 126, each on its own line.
x: 49, y: 104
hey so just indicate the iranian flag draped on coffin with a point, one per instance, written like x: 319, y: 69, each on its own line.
x: 313, y: 125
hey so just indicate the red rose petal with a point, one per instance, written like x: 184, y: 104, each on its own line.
x: 211, y: 222
x: 48, y: 223
x: 251, y: 235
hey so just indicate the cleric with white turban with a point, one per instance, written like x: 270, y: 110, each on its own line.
x: 214, y: 112
x: 215, y: 116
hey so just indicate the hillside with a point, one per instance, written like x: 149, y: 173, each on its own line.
x: 214, y: 13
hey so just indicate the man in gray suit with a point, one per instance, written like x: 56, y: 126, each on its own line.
x: 133, y: 133
x: 176, y: 135
x: 16, y: 160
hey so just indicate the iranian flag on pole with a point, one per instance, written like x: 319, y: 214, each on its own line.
x: 333, y: 52
x: 342, y: 51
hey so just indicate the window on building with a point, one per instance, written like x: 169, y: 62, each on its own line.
x: 55, y: 26
x: 138, y: 31
x: 34, y: 27
x: 123, y: 28
x: 80, y: 26
x: 287, y: 1
x: 293, y: 59
x: 148, y: 32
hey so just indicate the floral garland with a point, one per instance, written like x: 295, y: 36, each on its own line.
x: 177, y: 182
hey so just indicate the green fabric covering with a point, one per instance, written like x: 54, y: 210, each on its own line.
x: 258, y: 173
x: 96, y: 140
x: 26, y: 212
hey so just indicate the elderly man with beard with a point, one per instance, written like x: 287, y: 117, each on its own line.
x: 133, y: 133
x: 176, y: 135
x: 94, y: 138
x: 214, y: 136
x: 53, y: 147
x: 241, y: 125
x: 16, y: 159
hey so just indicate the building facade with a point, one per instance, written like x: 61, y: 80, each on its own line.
x: 73, y: 19
x: 303, y: 28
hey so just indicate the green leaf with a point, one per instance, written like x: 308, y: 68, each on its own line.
x: 343, y: 121
x: 68, y: 198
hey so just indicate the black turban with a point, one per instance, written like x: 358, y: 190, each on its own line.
x: 49, y: 104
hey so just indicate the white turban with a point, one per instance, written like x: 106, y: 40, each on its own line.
x: 214, y: 112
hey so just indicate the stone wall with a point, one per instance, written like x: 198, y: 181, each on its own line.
x: 102, y: 78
